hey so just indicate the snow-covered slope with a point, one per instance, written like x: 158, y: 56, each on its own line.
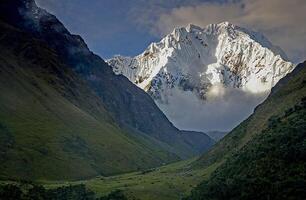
x: 202, y: 63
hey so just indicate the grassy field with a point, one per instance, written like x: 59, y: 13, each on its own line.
x: 169, y: 182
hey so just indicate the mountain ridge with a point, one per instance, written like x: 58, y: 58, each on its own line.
x: 126, y: 104
x: 53, y: 126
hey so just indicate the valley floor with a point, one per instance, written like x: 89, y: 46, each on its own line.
x: 170, y: 182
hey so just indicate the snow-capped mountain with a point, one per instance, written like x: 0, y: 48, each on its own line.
x: 201, y: 62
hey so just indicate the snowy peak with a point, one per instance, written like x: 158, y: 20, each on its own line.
x: 192, y: 65
x: 219, y: 53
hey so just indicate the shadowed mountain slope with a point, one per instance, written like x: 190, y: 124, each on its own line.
x: 53, y: 126
x: 131, y: 108
x: 264, y: 157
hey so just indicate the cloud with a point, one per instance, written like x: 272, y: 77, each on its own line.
x: 224, y: 108
x: 282, y: 21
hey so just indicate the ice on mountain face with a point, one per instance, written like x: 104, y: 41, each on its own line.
x: 207, y: 65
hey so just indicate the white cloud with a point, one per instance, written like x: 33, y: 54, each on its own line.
x: 224, y: 108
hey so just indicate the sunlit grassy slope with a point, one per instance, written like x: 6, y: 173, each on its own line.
x: 169, y: 182
x: 52, y: 127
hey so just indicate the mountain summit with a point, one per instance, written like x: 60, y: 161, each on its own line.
x: 202, y: 62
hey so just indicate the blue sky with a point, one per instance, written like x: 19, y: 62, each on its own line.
x: 127, y: 27
x: 103, y: 24
x: 112, y: 27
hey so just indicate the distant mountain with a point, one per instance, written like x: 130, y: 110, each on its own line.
x: 265, y: 156
x: 194, y: 64
x: 66, y: 115
x: 216, y: 135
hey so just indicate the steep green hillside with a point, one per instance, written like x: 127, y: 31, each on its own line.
x: 287, y: 93
x: 271, y: 166
x: 65, y: 115
x: 52, y: 126
x: 265, y: 156
x: 128, y: 105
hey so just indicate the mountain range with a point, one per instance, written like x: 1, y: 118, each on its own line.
x: 73, y: 126
x: 261, y: 158
x: 193, y: 67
